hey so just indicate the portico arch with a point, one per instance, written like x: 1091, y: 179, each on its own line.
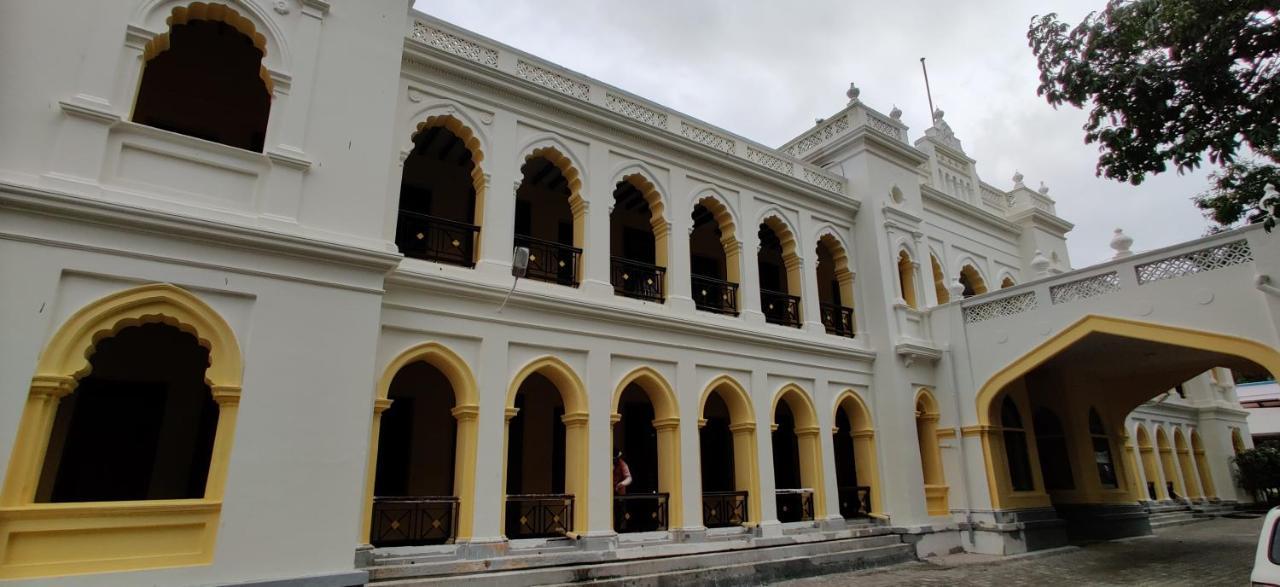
x: 1202, y: 465
x: 572, y: 396
x: 666, y: 424
x: 866, y: 471
x: 175, y: 525
x: 803, y: 425
x: 738, y: 422
x: 935, y: 482
x: 778, y: 265
x: 714, y: 256
x: 465, y: 411
x: 1189, y: 480
x: 1111, y: 346
x: 1155, y: 484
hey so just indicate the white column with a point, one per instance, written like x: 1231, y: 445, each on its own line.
x: 690, y: 444
x: 502, y: 168
x: 826, y: 424
x: 490, y: 490
x: 762, y: 396
x: 599, y: 459
x: 809, y: 285
x: 599, y: 198
x: 678, y: 265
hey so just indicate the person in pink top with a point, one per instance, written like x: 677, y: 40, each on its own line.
x: 621, y: 475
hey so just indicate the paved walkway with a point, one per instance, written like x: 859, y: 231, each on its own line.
x: 1214, y: 552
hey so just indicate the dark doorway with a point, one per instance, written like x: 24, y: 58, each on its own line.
x: 536, y: 502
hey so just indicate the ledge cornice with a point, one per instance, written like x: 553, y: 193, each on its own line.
x: 933, y: 196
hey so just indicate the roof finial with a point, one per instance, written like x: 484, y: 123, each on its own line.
x: 1017, y: 180
x: 853, y: 92
x: 1120, y: 242
x: 896, y: 113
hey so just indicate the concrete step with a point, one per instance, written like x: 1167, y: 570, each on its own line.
x: 674, y: 564
x: 1167, y: 519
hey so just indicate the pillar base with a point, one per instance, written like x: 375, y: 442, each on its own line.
x: 482, y: 548
x: 769, y: 529
x: 1016, y: 532
x: 1104, y: 521
x: 832, y: 524
x: 598, y: 541
x: 692, y: 534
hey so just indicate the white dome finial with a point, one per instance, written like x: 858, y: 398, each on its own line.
x: 1017, y: 180
x: 955, y: 288
x: 1044, y: 189
x: 853, y: 92
x: 1121, y: 242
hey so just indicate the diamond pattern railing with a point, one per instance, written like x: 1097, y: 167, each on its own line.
x: 1224, y: 255
x: 1083, y: 289
x: 413, y: 521
x: 1012, y: 305
x: 539, y: 515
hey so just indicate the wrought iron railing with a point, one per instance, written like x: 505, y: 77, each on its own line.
x: 837, y: 319
x: 721, y: 509
x: 795, y: 505
x: 638, y: 280
x: 412, y: 521
x: 539, y: 515
x: 780, y: 308
x: 423, y: 236
x: 551, y: 261
x: 642, y: 512
x: 855, y: 501
x: 715, y: 295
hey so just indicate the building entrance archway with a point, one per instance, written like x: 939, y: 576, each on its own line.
x: 646, y: 433
x: 730, y: 470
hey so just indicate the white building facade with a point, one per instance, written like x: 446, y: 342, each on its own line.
x: 257, y: 339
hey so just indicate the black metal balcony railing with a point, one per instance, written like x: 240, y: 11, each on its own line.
x: 635, y: 279
x: 551, y: 261
x: 423, y: 236
x: 838, y: 319
x: 413, y: 521
x: 721, y: 509
x: 1151, y: 490
x: 539, y: 515
x: 715, y: 295
x: 795, y: 505
x: 855, y: 501
x: 643, y: 512
x: 780, y: 308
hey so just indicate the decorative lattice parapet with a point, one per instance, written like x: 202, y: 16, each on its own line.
x: 834, y: 127
x: 882, y: 125
x: 825, y: 181
x: 775, y: 163
x: 555, y: 81
x: 1003, y: 307
x: 714, y: 140
x: 1217, y: 257
x: 453, y: 44
x: 1083, y: 289
x: 635, y: 110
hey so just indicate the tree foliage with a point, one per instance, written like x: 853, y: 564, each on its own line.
x: 1173, y: 82
x: 1257, y: 470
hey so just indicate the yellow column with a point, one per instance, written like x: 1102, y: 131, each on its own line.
x: 1152, y: 471
x: 935, y: 485
x: 865, y: 466
x: 746, y: 475
x: 669, y: 480
x: 1136, y: 490
x: 228, y: 400
x: 1189, y: 474
x: 575, y: 466
x: 811, y: 467
x: 1171, y: 470
x: 32, y: 441
x: 380, y: 405
x: 464, y: 467
x: 1206, y: 478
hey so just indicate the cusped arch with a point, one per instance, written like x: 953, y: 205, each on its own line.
x: 572, y: 392
x: 68, y: 351
x: 655, y: 386
x: 453, y: 367
x: 450, y: 120
x: 801, y: 406
x: 650, y: 186
x: 735, y: 398
x: 1262, y: 354
x: 722, y: 212
x: 212, y: 12
x: 1005, y: 279
x: 970, y: 271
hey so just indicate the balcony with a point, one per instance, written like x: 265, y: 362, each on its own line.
x: 635, y: 279
x: 715, y: 295
x: 539, y: 515
x: 721, y: 509
x: 423, y: 236
x: 837, y: 319
x: 643, y: 512
x: 551, y: 261
x: 795, y: 505
x: 413, y: 521
x: 780, y: 308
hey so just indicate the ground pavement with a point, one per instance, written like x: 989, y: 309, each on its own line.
x: 1214, y: 552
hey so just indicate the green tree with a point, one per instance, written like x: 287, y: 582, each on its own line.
x: 1257, y: 470
x: 1173, y: 82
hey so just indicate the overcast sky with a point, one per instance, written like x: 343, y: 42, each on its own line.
x: 766, y: 69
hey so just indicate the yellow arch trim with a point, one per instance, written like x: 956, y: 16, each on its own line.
x: 572, y: 391
x: 790, y: 256
x: 472, y: 143
x: 1252, y: 350
x: 27, y: 529
x: 215, y: 13
x: 925, y: 397
x: 862, y: 427
x: 1144, y: 439
x: 466, y: 402
x: 735, y: 398
x: 799, y: 402
x: 728, y: 235
x: 974, y: 276
x: 660, y: 393
x: 657, y: 217
x: 856, y: 410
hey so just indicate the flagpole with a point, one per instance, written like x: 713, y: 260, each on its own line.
x: 927, y: 91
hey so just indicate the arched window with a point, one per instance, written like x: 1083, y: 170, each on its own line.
x: 441, y: 194
x: 935, y: 483
x: 140, y: 426
x: 713, y: 258
x: 1015, y: 446
x: 835, y: 287
x: 1051, y: 441
x: 939, y: 281
x: 637, y: 240
x: 204, y: 78
x: 550, y: 215
x: 972, y: 281
x: 779, y: 271
x: 1102, y: 451
x: 1007, y: 282
x: 907, y: 278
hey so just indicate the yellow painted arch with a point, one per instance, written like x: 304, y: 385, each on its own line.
x: 742, y: 423
x: 840, y: 261
x: 660, y: 393
x: 728, y: 236
x: 572, y: 392
x: 666, y: 424
x: 807, y: 437
x: 1257, y: 352
x: 31, y: 533
x: 466, y: 401
x: 866, y: 469
x: 735, y: 398
x: 936, y: 490
x: 214, y: 13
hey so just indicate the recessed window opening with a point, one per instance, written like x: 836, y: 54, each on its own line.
x: 437, y: 217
